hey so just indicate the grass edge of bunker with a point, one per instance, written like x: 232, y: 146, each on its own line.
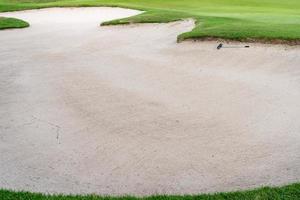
x: 270, y: 21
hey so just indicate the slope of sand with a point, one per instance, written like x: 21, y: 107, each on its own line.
x: 127, y: 110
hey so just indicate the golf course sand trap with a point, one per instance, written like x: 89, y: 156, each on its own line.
x: 126, y: 110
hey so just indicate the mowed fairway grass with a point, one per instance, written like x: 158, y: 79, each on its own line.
x: 242, y: 20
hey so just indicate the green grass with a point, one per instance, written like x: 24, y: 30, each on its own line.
x: 243, y: 20
x: 6, y: 23
x: 289, y: 192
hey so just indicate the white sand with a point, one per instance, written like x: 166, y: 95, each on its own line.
x: 127, y: 110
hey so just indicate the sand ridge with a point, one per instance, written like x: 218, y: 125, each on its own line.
x: 127, y: 110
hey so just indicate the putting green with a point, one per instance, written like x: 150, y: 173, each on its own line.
x: 254, y: 20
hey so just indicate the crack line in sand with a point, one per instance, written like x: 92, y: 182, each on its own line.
x: 51, y: 124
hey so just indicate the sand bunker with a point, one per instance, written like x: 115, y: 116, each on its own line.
x: 127, y: 110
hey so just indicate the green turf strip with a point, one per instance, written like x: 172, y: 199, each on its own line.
x: 6, y: 23
x: 289, y: 192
